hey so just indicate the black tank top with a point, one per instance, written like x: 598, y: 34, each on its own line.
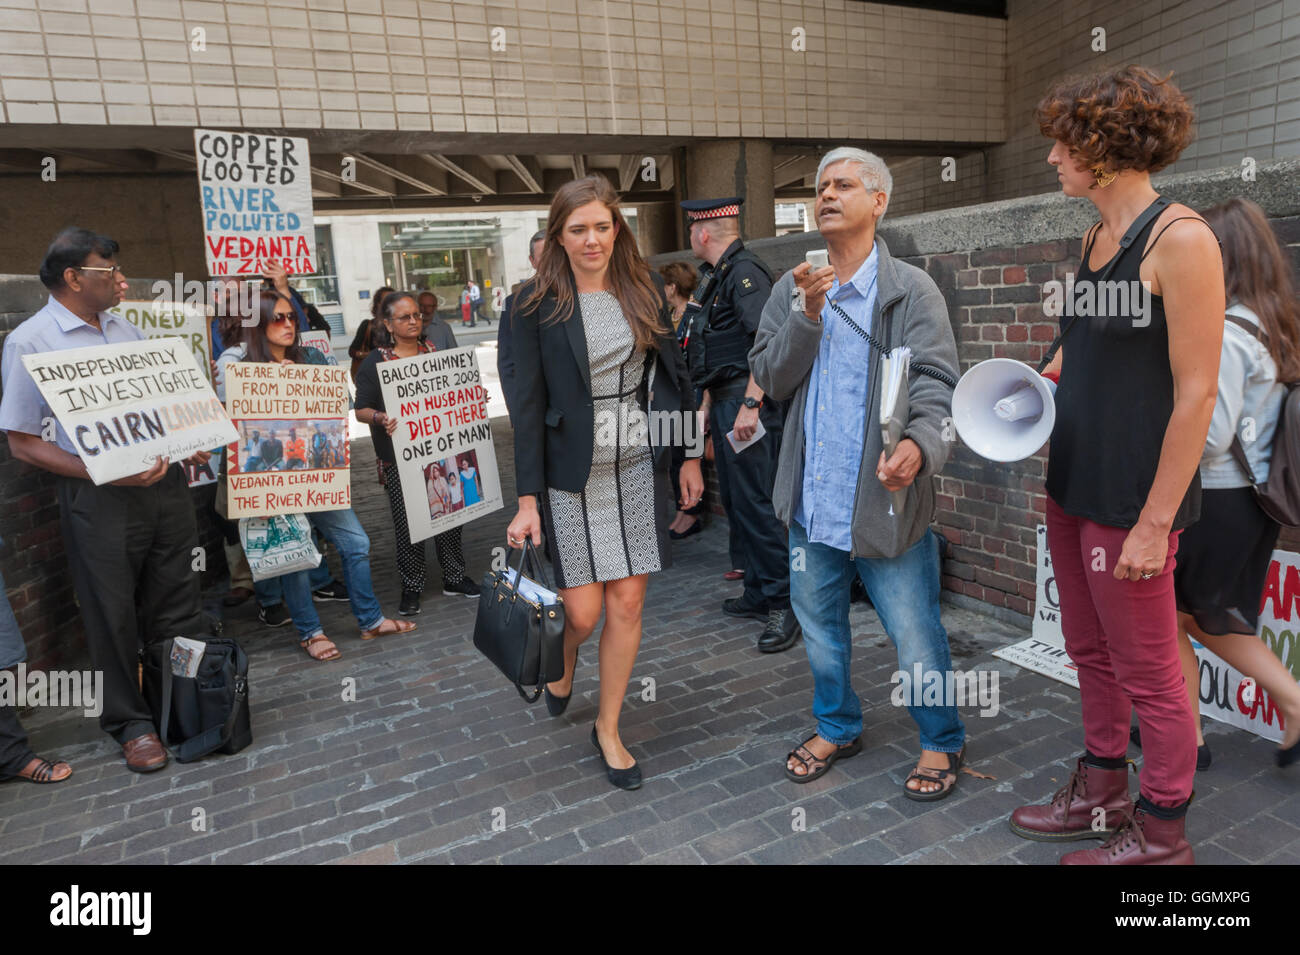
x: 1114, y: 398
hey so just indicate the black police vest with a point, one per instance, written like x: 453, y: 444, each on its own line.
x: 718, y: 354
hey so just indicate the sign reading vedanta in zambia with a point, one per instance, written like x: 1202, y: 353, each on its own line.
x: 255, y: 191
x: 125, y: 405
x: 446, y: 461
x: 291, y: 455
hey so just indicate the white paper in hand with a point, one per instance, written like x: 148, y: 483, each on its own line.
x: 737, y: 445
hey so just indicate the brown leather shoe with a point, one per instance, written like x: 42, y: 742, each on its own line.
x: 1070, y: 813
x: 144, y: 754
x: 1141, y: 839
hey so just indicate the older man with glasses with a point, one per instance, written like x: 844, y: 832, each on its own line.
x: 130, y: 543
x: 819, y: 345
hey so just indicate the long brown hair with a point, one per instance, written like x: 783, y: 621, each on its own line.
x: 255, y: 335
x: 629, y: 275
x: 1257, y: 273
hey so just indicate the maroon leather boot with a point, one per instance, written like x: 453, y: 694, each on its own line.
x: 1141, y: 839
x: 1070, y: 814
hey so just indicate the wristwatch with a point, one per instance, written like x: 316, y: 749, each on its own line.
x: 751, y: 402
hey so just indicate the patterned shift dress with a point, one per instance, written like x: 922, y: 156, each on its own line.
x: 607, y: 531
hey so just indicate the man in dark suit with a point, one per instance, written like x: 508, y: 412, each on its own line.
x: 505, y: 344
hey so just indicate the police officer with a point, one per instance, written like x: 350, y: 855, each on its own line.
x: 724, y: 315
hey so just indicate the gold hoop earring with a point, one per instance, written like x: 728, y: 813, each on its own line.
x: 1103, y: 177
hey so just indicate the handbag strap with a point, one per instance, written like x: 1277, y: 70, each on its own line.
x: 165, y: 722
x: 1140, y: 223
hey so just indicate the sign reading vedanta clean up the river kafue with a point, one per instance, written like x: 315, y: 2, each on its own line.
x: 446, y: 461
x: 291, y: 455
x: 255, y: 192
x: 125, y: 405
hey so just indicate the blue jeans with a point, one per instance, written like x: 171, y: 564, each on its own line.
x: 344, y: 531
x: 905, y: 593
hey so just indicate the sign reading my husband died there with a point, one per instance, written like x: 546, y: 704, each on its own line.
x: 291, y: 455
x: 446, y: 461
x: 125, y: 405
x: 255, y: 191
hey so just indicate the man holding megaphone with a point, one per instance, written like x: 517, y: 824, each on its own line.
x: 820, y: 344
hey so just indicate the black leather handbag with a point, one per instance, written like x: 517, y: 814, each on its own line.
x: 525, y: 639
x: 205, y: 713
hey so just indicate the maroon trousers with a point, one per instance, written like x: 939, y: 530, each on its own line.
x: 1123, y: 637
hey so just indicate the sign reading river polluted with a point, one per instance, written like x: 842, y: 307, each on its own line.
x: 255, y: 192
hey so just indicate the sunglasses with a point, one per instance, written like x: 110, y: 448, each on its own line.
x: 283, y: 317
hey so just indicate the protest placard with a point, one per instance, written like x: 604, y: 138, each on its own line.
x: 321, y: 341
x: 124, y: 405
x: 1224, y: 693
x: 255, y: 192
x: 446, y: 461
x: 162, y: 319
x: 292, y: 452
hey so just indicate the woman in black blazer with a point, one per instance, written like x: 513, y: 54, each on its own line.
x: 594, y: 350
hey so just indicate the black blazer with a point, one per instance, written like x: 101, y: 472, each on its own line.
x: 553, y: 420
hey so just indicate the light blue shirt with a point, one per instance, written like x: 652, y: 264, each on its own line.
x: 835, y: 414
x: 53, y: 328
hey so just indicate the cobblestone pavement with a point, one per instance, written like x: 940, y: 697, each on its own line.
x: 438, y: 760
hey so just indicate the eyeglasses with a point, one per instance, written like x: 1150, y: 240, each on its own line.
x: 110, y: 269
x: 283, y: 317
x: 414, y: 317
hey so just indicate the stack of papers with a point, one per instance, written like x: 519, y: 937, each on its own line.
x: 186, y: 656
x: 894, y: 410
x: 531, y: 589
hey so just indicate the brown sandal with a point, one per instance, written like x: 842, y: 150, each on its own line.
x: 814, y: 766
x: 947, y: 778
x: 43, y: 771
x: 398, y: 626
x: 325, y: 655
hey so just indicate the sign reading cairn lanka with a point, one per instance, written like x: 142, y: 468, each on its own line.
x: 291, y: 454
x: 446, y: 462
x: 1224, y: 693
x: 125, y: 405
x: 255, y: 193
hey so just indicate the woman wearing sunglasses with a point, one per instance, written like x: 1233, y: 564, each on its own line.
x: 275, y: 338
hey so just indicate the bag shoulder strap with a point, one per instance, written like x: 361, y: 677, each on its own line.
x: 1249, y: 327
x: 165, y: 722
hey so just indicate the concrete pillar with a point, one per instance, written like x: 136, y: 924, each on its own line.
x: 735, y: 167
x: 656, y: 226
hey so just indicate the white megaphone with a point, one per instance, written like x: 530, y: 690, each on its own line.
x: 1003, y: 409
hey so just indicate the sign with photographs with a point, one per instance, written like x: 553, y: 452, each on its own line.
x: 125, y: 405
x: 292, y: 452
x: 255, y: 193
x: 446, y: 461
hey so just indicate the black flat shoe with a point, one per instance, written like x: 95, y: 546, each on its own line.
x: 556, y: 705
x: 629, y: 778
x: 1203, y: 754
x: 1285, y: 757
x: 696, y: 528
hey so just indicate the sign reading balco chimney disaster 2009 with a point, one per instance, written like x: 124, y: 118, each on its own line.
x: 123, y: 406
x: 255, y: 192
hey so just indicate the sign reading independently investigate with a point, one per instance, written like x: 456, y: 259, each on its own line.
x: 291, y: 455
x: 446, y: 461
x: 124, y: 405
x: 256, y: 197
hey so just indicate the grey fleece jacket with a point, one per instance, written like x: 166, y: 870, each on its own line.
x: 909, y: 310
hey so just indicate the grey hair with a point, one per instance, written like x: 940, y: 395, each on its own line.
x: 872, y: 170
